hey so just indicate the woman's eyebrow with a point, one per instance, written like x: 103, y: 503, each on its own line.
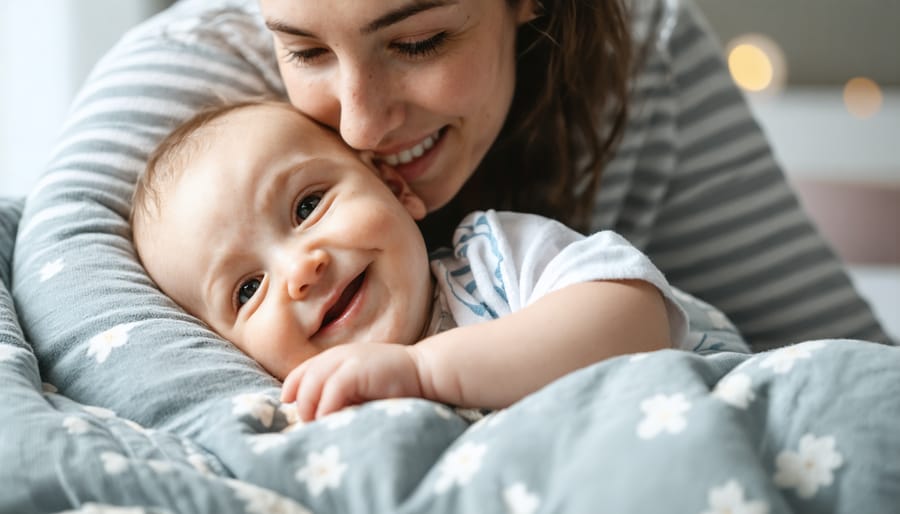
x: 403, y: 12
x: 396, y: 16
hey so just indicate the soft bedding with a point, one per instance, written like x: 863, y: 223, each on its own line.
x: 113, y: 396
x: 806, y: 428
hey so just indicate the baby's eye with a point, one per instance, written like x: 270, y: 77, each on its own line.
x: 306, y: 206
x: 246, y: 291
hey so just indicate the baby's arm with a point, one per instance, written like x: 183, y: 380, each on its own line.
x: 494, y: 363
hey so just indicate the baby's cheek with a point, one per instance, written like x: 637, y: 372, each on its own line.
x: 275, y: 342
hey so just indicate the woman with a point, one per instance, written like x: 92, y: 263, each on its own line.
x: 512, y: 105
x: 439, y: 89
x: 498, y: 104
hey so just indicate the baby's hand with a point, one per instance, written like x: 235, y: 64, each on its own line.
x: 351, y: 374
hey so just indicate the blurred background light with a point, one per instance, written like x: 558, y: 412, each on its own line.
x: 862, y: 97
x: 756, y: 63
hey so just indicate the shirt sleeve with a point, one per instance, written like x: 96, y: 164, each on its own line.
x: 504, y: 261
x: 695, y: 185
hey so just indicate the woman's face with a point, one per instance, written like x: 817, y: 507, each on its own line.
x: 423, y: 84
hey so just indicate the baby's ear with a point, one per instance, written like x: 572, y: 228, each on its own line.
x: 398, y: 185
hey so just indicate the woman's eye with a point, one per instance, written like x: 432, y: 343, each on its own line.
x: 306, y: 56
x: 422, y: 47
x: 306, y: 206
x: 246, y: 291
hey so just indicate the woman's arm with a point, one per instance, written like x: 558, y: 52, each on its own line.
x: 695, y: 185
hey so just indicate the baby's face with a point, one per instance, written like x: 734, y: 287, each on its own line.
x: 286, y: 243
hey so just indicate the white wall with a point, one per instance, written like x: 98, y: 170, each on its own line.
x: 815, y: 137
x: 47, y: 48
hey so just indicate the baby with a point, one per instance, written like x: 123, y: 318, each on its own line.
x: 307, y: 256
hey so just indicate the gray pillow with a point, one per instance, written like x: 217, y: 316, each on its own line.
x: 103, y: 333
x: 10, y: 212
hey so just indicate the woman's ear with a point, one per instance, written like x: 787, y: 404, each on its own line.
x: 397, y: 184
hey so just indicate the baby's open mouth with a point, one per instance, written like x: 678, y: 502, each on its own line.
x: 337, y: 310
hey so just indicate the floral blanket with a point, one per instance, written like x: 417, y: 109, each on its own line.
x: 807, y: 428
x: 114, y: 400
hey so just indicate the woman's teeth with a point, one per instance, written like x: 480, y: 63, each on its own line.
x: 415, y: 152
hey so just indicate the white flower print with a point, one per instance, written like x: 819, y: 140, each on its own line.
x: 459, y: 466
x: 114, y: 463
x: 75, y: 425
x: 735, y: 390
x: 7, y: 352
x: 443, y: 411
x: 263, y: 501
x: 289, y: 410
x: 261, y: 443
x: 519, y: 500
x: 322, y: 471
x: 256, y: 405
x: 340, y: 418
x: 782, y: 360
x: 100, y: 508
x: 198, y: 462
x: 469, y: 415
x: 100, y: 412
x: 103, y: 343
x: 729, y: 499
x: 50, y: 269
x: 395, y: 406
x: 134, y: 426
x: 663, y: 413
x: 809, y: 468
x: 160, y: 466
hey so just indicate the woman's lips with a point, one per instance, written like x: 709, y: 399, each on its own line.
x: 416, y: 165
x: 344, y: 304
x: 410, y: 154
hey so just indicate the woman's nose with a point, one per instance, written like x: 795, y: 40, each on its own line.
x: 304, y: 271
x: 371, y: 107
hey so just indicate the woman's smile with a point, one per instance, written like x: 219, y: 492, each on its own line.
x: 415, y: 161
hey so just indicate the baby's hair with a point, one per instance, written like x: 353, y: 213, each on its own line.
x: 168, y: 158
x: 171, y: 155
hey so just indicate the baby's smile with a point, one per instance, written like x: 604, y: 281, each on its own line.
x: 341, y: 306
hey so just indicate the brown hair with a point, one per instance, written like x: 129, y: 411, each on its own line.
x: 568, y: 113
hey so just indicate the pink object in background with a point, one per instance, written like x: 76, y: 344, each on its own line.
x: 861, y: 220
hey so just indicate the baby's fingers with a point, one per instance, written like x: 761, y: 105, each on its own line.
x: 292, y: 383
x: 338, y: 392
x: 309, y: 391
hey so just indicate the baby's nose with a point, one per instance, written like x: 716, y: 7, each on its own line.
x: 304, y: 271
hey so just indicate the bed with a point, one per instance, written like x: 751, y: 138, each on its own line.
x: 806, y: 428
x: 114, y: 400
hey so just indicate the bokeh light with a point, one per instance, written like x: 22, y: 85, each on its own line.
x: 756, y: 63
x: 862, y: 97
